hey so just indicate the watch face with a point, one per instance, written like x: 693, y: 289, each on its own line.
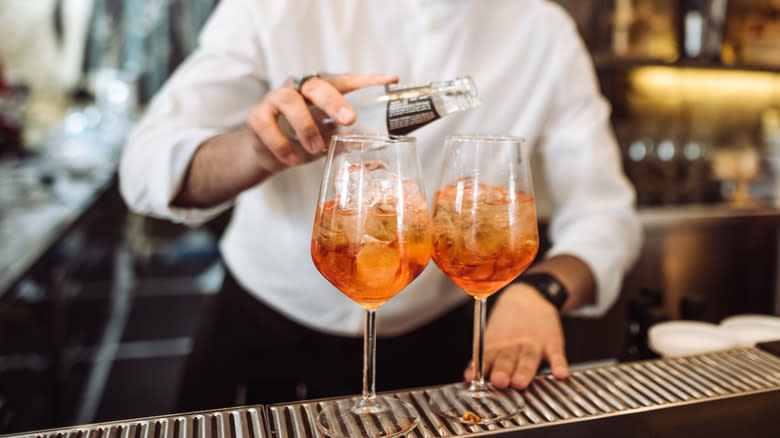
x: 554, y: 289
x: 549, y: 286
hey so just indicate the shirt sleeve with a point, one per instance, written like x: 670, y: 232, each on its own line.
x: 593, y: 204
x: 210, y: 93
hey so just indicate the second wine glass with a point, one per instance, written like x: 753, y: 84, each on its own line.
x: 484, y: 235
x: 371, y: 238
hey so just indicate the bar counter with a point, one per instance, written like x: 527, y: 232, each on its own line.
x: 703, y: 214
x: 719, y: 394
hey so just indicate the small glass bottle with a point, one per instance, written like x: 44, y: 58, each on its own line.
x: 394, y: 109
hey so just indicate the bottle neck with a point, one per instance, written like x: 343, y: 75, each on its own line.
x: 460, y: 94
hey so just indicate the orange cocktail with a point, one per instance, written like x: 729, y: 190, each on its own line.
x: 371, y: 257
x: 483, y: 237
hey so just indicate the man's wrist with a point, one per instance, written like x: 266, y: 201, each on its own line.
x: 265, y: 161
x: 547, y: 285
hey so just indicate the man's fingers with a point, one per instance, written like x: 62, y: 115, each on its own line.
x: 324, y: 95
x: 517, y: 365
x: 471, y: 371
x: 262, y: 120
x: 325, y: 92
x: 289, y: 102
x: 503, y: 366
x: 559, y: 366
x: 349, y: 82
x: 527, y: 363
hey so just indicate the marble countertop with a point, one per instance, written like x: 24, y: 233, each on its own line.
x: 39, y: 202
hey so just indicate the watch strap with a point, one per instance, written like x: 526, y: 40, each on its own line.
x: 548, y: 285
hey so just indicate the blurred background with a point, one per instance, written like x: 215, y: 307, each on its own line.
x: 98, y: 306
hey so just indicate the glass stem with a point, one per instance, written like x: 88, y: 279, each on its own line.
x: 480, y: 316
x: 369, y: 357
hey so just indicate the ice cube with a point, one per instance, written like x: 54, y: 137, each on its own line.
x: 335, y: 230
x: 366, y: 184
x: 525, y: 211
x: 495, y: 195
x: 348, y: 185
x: 383, y: 186
x: 479, y: 272
x: 486, y: 240
x: 377, y: 263
x: 383, y: 227
x: 413, y: 197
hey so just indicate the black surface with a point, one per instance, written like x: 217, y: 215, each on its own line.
x: 772, y: 347
x: 86, y: 320
x: 164, y: 317
x: 140, y: 388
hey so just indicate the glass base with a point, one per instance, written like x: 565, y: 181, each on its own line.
x: 478, y: 404
x: 384, y: 417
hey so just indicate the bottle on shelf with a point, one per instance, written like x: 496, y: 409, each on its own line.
x: 645, y: 29
x: 752, y: 34
x: 701, y: 30
x: 394, y: 109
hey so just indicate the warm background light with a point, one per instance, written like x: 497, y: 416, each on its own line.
x: 720, y: 99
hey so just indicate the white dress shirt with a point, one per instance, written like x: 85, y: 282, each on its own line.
x: 535, y: 80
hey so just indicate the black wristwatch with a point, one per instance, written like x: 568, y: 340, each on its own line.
x: 549, y: 286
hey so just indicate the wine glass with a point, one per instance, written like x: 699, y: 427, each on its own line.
x: 484, y: 236
x: 371, y: 238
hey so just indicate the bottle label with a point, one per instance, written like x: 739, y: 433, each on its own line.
x: 409, y: 107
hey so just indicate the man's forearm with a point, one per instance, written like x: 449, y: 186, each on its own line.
x: 224, y: 166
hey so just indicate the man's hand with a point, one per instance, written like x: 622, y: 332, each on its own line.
x: 229, y: 163
x: 523, y: 328
x: 326, y: 92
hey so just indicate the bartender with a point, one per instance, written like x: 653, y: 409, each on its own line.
x: 279, y: 331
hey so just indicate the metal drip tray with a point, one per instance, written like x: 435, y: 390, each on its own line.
x: 588, y: 394
x: 747, y: 378
x: 228, y: 423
